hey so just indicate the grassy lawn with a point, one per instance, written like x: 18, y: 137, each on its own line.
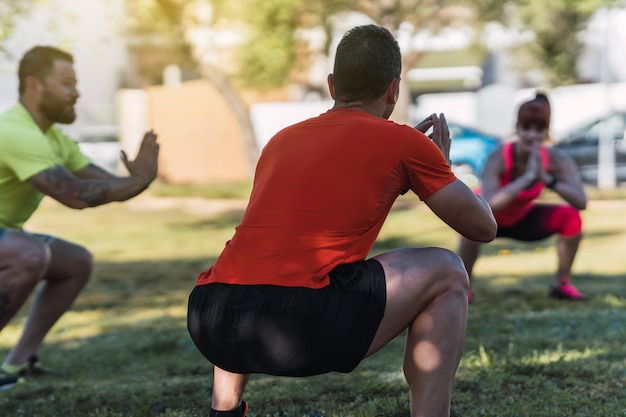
x: 123, y: 349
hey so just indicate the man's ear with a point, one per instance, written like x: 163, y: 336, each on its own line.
x: 393, y: 91
x: 331, y: 85
x: 32, y: 84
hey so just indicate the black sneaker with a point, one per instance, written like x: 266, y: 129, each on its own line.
x: 241, y: 411
x: 8, y: 381
x: 31, y: 368
x: 34, y: 368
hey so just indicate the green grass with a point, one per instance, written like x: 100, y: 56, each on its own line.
x: 214, y: 191
x: 123, y: 349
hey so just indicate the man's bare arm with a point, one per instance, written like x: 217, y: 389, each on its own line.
x: 464, y: 211
x: 94, y: 172
x: 74, y: 192
x: 570, y: 186
x: 92, y: 186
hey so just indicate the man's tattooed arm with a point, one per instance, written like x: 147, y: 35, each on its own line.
x: 72, y: 191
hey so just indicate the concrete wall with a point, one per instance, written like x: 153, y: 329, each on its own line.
x: 91, y: 31
x: 201, y: 140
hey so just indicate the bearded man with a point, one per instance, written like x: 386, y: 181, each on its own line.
x: 38, y: 159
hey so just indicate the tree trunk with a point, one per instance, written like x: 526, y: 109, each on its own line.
x: 220, y: 82
x: 401, y: 113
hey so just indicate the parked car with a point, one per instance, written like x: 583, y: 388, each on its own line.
x: 582, y: 144
x: 469, y: 151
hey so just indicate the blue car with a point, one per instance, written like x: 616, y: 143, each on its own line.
x: 469, y: 151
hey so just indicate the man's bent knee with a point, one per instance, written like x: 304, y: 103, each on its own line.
x: 445, y: 262
x: 34, y: 260
x: 422, y: 268
x: 84, y: 266
x: 415, y: 277
x: 70, y: 261
x: 453, y: 269
x: 79, y: 271
x: 28, y: 255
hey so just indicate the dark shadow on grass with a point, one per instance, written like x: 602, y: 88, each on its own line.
x: 152, y: 365
x: 499, y: 244
x: 505, y: 244
x: 153, y: 283
x: 133, y: 370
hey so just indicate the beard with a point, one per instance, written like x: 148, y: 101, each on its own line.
x: 57, y: 110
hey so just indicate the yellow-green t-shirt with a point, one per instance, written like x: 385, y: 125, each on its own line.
x: 24, y: 152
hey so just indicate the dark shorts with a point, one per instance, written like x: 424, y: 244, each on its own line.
x: 290, y: 331
x: 47, y: 239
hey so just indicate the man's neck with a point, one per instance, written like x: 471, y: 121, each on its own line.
x: 43, y: 122
x: 372, y: 107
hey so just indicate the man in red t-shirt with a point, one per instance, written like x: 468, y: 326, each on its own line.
x: 293, y: 292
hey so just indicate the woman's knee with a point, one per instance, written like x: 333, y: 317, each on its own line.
x: 572, y: 222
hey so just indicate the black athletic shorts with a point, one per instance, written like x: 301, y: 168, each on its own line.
x: 290, y: 331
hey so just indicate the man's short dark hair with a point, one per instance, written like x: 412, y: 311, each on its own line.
x: 368, y: 59
x: 39, y: 62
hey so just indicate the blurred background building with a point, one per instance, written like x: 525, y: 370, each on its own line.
x: 213, y: 129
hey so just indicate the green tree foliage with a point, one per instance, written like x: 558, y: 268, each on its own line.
x: 9, y: 10
x: 156, y: 29
x: 271, y: 52
x: 556, y: 25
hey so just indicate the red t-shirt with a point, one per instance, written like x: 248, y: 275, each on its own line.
x: 322, y: 190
